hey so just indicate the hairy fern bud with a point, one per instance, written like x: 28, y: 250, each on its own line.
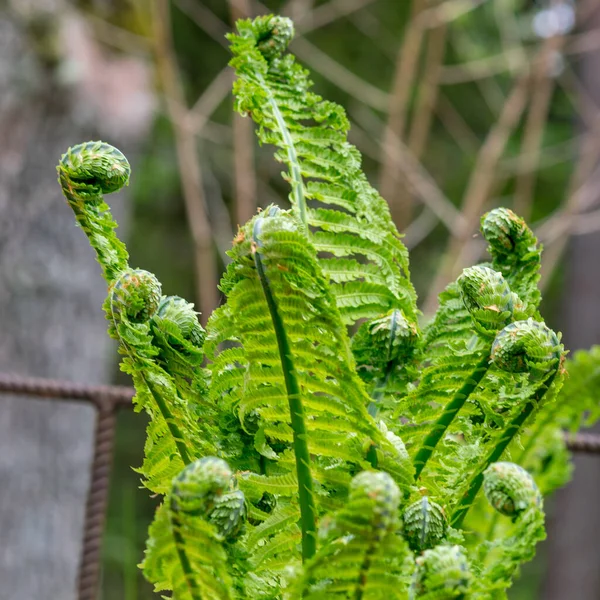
x: 526, y: 346
x: 135, y: 295
x: 510, y: 489
x: 387, y: 339
x: 425, y: 524
x: 229, y: 513
x: 87, y: 171
x: 378, y: 496
x: 488, y: 298
x: 505, y: 231
x: 206, y: 488
x: 273, y: 35
x: 442, y: 573
x: 178, y: 311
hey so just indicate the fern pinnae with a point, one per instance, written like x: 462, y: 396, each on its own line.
x: 492, y: 305
x: 523, y: 346
x: 322, y: 167
x: 86, y: 172
x: 305, y: 483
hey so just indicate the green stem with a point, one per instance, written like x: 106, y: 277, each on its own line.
x: 295, y: 171
x: 513, y: 428
x: 169, y: 420
x: 305, y: 482
x: 186, y: 566
x: 450, y: 411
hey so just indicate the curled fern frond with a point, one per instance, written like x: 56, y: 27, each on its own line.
x: 488, y: 298
x: 170, y: 385
x: 442, y: 573
x: 425, y: 524
x: 346, y: 219
x: 185, y: 552
x: 360, y: 555
x: 510, y: 489
x: 85, y: 173
x: 177, y: 311
x: 515, y: 252
x: 526, y: 347
x: 134, y: 296
x: 521, y: 346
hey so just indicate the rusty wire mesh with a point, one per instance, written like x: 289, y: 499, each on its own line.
x: 108, y: 399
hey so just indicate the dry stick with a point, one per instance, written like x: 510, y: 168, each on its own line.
x: 210, y: 99
x: 404, y: 75
x: 330, y: 12
x: 243, y: 144
x: 423, y: 115
x: 188, y: 160
x: 479, y: 187
x: 535, y: 125
x: 428, y: 92
x: 416, y: 176
x: 455, y: 124
x: 345, y: 79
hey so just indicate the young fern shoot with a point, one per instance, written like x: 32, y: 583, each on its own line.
x: 297, y: 461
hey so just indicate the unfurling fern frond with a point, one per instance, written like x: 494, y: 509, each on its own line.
x: 156, y: 360
x: 512, y: 492
x: 361, y: 555
x: 348, y: 222
x: 292, y: 374
x: 298, y: 463
x: 186, y: 551
x: 515, y: 253
x: 442, y: 573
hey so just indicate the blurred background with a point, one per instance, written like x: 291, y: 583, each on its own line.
x: 457, y: 106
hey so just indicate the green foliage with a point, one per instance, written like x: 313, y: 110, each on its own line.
x: 298, y: 461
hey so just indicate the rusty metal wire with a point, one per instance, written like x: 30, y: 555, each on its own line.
x: 108, y: 399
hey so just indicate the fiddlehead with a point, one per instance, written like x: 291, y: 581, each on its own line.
x: 185, y: 551
x: 383, y: 349
x: 510, y: 489
x: 179, y: 312
x: 442, y: 573
x: 488, y: 298
x: 513, y: 493
x: 85, y: 173
x: 515, y: 252
x: 425, y: 524
x: 491, y: 305
x: 356, y: 558
x: 343, y: 216
x: 526, y: 347
x: 134, y: 296
x: 521, y: 346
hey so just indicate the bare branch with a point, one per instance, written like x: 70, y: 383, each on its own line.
x: 188, y: 160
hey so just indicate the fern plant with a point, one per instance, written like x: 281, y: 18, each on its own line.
x: 298, y: 461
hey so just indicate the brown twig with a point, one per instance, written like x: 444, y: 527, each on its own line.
x: 397, y: 109
x: 428, y: 91
x: 535, y: 124
x: 188, y: 160
x: 478, y: 188
x: 243, y: 144
x: 416, y: 176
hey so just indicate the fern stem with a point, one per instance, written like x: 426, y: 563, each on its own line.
x: 295, y: 172
x: 305, y: 482
x: 170, y: 421
x: 450, y: 411
x: 186, y: 566
x: 513, y: 428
